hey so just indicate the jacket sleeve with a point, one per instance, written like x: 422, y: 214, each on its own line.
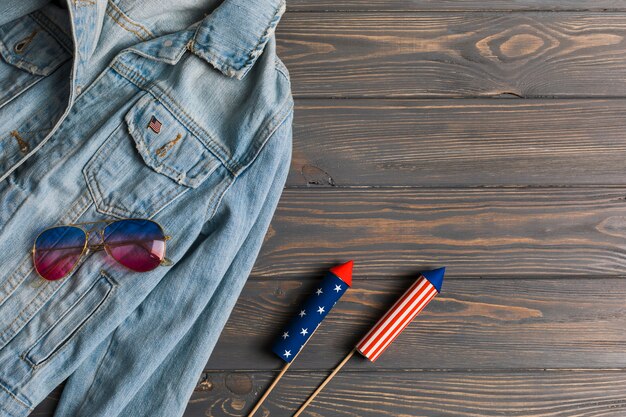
x: 182, y: 318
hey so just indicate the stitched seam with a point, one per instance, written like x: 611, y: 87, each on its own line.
x: 145, y: 150
x: 129, y: 20
x: 254, y: 53
x: 14, y: 281
x: 103, y: 206
x: 102, y: 75
x: 39, y: 299
x: 176, y: 110
x: 273, y: 130
x: 35, y: 118
x: 172, y: 61
x: 141, y: 37
x: 54, y: 63
x: 58, y: 320
x: 267, y: 130
x: 174, y: 197
x: 92, y: 166
x: 218, y: 197
x: 151, y: 86
x: 195, y: 128
x: 5, y: 389
x: 282, y: 69
x: 147, y: 34
x: 82, y: 325
x: 20, y: 87
x: 117, y: 14
x: 29, y: 67
x: 138, y: 137
x: 233, y: 166
x: 178, y: 191
x: 81, y: 3
x: 144, y: 146
x: 216, y: 60
x: 234, y: 179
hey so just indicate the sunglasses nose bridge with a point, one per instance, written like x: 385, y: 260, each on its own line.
x: 98, y: 244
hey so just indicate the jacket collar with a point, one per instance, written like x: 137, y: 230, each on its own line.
x: 234, y: 35
x: 230, y: 38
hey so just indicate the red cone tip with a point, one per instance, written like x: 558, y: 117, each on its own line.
x: 344, y: 272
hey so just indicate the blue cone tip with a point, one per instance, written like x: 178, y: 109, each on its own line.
x: 435, y: 277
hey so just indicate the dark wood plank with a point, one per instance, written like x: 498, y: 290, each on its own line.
x: 455, y: 5
x: 475, y: 232
x: 459, y: 142
x: 581, y: 393
x: 407, y: 54
x: 47, y: 406
x: 436, y: 394
x: 472, y: 324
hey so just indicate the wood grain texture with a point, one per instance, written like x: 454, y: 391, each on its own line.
x: 475, y: 232
x: 371, y: 393
x: 472, y: 324
x: 458, y: 142
x: 534, y: 54
x: 455, y: 5
x: 436, y: 394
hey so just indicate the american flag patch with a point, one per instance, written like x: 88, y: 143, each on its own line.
x: 154, y: 124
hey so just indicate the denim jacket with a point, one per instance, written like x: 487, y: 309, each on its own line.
x: 79, y: 84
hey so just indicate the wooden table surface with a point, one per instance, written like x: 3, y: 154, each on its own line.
x: 485, y: 136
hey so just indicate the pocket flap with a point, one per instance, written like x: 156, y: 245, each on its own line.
x: 167, y: 145
x: 27, y: 45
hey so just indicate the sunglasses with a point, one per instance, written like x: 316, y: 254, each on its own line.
x: 137, y: 244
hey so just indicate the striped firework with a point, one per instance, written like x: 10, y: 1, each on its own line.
x: 398, y: 318
x: 424, y: 289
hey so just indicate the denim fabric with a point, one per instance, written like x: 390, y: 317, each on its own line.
x: 79, y: 83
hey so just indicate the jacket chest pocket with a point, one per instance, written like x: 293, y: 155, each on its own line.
x: 147, y: 162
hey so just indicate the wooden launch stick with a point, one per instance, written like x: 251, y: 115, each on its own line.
x: 271, y: 387
x: 310, y: 316
x: 412, y: 302
x: 323, y: 384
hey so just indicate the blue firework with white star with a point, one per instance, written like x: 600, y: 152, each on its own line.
x: 312, y: 312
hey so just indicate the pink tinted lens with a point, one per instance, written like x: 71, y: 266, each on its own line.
x: 137, y: 244
x: 57, y: 251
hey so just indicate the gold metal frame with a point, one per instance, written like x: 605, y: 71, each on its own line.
x: 100, y: 246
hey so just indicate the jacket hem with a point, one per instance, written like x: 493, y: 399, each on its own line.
x: 11, y: 405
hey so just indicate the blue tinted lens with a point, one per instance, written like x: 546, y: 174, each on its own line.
x: 57, y: 250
